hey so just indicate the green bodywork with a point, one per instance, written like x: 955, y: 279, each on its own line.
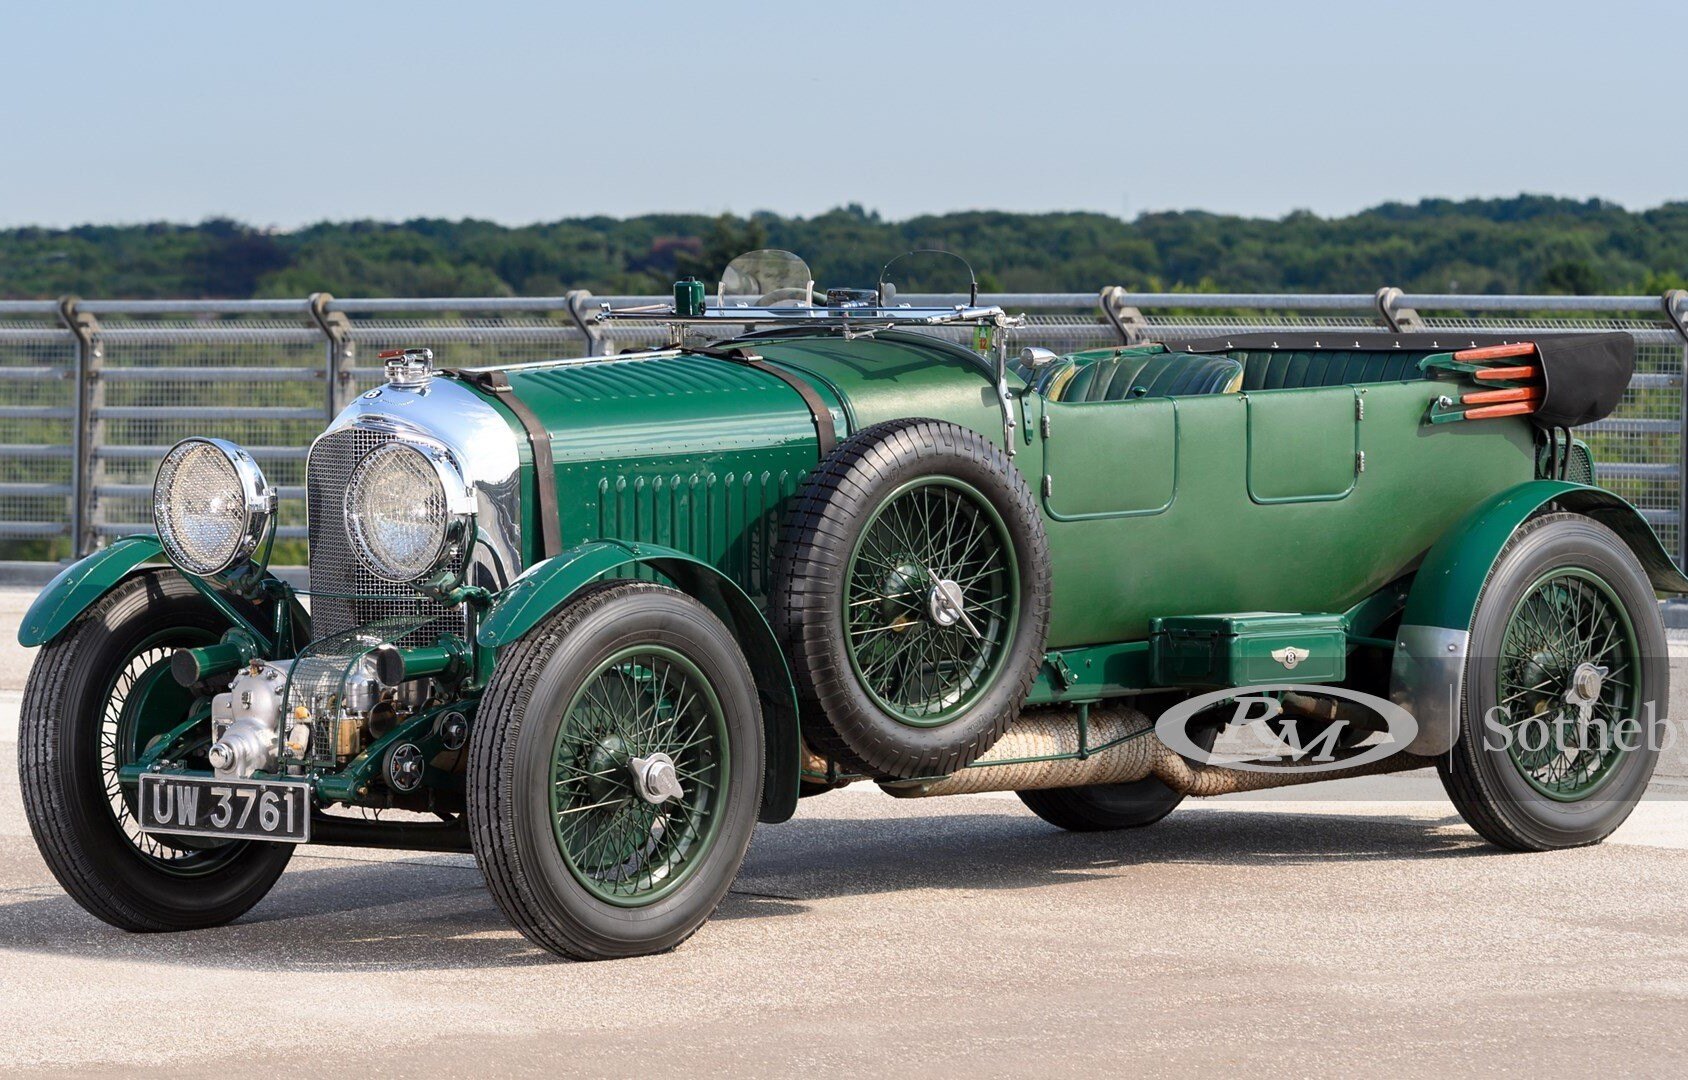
x: 75, y: 588
x: 1448, y: 583
x: 548, y: 585
x: 80, y: 585
x: 1313, y: 499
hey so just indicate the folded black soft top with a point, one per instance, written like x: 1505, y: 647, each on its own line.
x: 1584, y: 375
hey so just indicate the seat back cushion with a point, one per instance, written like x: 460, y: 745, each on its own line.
x: 1277, y: 370
x: 1133, y: 373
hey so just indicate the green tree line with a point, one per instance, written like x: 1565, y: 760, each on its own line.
x: 1529, y: 243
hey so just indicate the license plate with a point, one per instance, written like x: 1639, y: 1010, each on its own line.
x: 277, y: 810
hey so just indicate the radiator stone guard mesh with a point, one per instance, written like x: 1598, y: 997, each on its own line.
x: 344, y: 594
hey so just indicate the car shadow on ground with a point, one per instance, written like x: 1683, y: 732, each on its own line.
x: 1016, y: 851
x: 338, y: 912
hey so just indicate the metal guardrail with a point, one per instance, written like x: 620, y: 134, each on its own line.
x: 93, y: 392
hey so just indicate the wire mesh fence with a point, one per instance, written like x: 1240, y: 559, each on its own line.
x: 37, y: 433
x: 91, y: 396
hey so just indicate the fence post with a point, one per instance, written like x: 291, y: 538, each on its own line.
x: 84, y: 438
x: 1399, y: 318
x: 576, y: 301
x: 1127, y: 321
x: 342, y: 353
x: 1676, y: 310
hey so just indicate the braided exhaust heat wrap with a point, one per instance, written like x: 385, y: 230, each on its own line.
x: 1052, y: 732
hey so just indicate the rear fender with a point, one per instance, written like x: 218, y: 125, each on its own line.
x: 547, y: 586
x: 1428, y: 673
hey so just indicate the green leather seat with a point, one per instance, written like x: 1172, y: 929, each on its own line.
x: 1270, y: 370
x: 1134, y: 373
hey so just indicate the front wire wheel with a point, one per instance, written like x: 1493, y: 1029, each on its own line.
x: 646, y: 718
x: 142, y: 703
x: 98, y: 696
x: 615, y: 772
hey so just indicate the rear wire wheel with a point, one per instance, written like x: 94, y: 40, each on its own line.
x: 1567, y: 686
x: 1106, y: 807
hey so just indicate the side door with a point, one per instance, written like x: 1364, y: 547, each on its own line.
x: 1303, y: 444
x: 1109, y: 458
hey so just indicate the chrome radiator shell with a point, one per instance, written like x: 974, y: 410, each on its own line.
x: 344, y: 594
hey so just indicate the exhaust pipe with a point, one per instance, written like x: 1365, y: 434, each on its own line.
x: 1056, y: 732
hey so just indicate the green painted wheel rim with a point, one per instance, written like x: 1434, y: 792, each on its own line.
x: 1568, y: 618
x: 142, y: 702
x: 642, y: 701
x: 930, y: 530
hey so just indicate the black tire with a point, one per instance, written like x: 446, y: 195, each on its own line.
x: 516, y: 735
x: 843, y: 719
x: 1490, y: 791
x: 1102, y: 807
x: 136, y: 884
x: 1105, y: 807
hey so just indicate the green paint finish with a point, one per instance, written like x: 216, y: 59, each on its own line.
x: 1137, y: 472
x: 683, y: 466
x: 927, y: 532
x: 1303, y: 445
x: 544, y: 588
x: 1367, y: 618
x: 1446, y: 587
x: 692, y: 453
x: 1091, y: 673
x: 1217, y: 549
x: 895, y: 374
x: 547, y: 586
x: 78, y: 585
x: 1249, y: 648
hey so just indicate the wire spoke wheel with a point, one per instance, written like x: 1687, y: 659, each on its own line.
x: 1567, y: 681
x: 1569, y: 672
x: 638, y: 775
x: 100, y: 696
x: 931, y: 600
x: 143, y: 703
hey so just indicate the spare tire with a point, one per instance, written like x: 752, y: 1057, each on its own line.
x: 911, y: 592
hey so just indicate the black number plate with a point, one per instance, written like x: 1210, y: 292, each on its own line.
x: 201, y: 806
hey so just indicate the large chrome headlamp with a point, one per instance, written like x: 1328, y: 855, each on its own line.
x: 408, y: 510
x: 210, y: 504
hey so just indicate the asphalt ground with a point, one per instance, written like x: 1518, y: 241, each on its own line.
x: 1351, y: 927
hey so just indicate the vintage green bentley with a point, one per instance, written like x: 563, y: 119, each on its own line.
x: 594, y: 618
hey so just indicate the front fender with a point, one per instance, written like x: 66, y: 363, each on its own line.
x: 75, y: 588
x: 547, y: 586
x: 1428, y: 673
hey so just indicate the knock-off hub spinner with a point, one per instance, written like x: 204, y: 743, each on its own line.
x: 945, y: 606
x: 655, y: 778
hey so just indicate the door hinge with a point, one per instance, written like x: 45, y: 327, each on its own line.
x: 1043, y: 425
x: 1360, y: 462
x: 1048, y: 486
x: 1359, y: 407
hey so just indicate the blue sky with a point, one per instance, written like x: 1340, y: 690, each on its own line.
x: 286, y: 113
